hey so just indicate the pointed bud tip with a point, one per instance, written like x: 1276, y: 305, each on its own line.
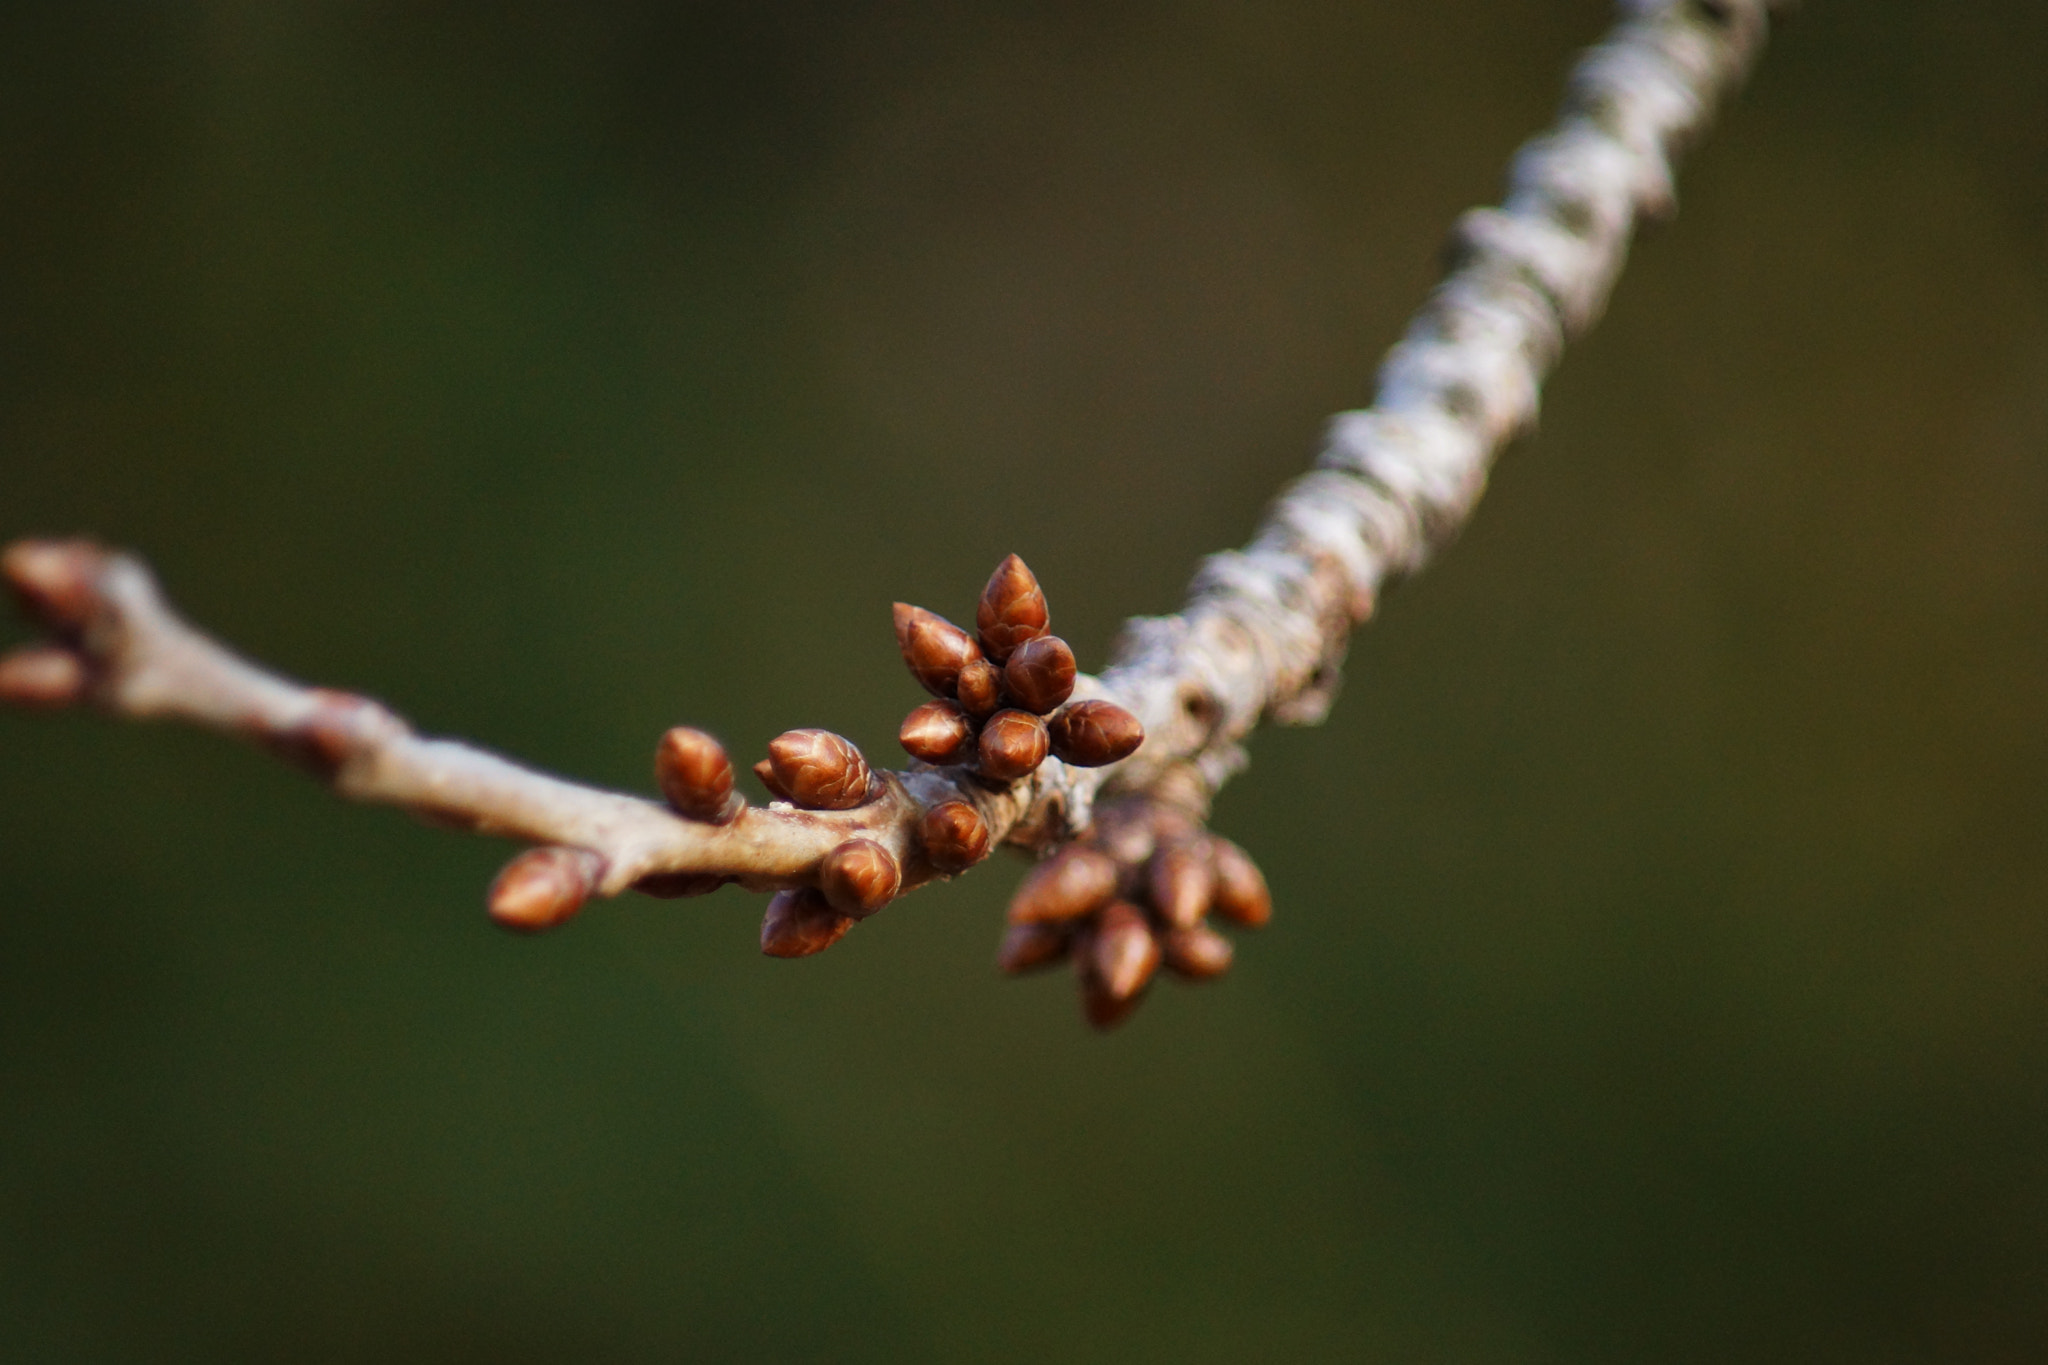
x: 1093, y: 734
x: 801, y: 923
x: 1074, y: 882
x: 819, y: 770
x: 695, y: 775
x: 42, y: 676
x: 1012, y: 609
x: 542, y: 887
x: 938, y: 731
x: 57, y: 581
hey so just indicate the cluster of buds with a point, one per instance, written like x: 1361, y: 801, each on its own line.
x: 1131, y: 895
x: 1002, y: 695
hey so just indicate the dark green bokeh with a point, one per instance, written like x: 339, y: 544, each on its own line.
x: 1661, y: 970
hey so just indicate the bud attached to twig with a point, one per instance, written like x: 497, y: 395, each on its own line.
x: 1197, y: 953
x: 860, y: 877
x: 799, y: 923
x: 934, y: 648
x: 1011, y: 611
x: 1013, y: 744
x: 1040, y: 674
x: 542, y: 887
x: 42, y: 675
x: 1090, y: 734
x: 1027, y: 946
x: 955, y: 836
x: 937, y: 732
x: 695, y: 775
x: 56, y: 580
x: 981, y: 688
x: 1076, y: 881
x: 819, y: 770
x: 1124, y: 954
x: 1241, y: 893
x: 1182, y: 882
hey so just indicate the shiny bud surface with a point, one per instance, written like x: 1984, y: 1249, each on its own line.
x: 799, y: 923
x: 695, y: 775
x: 955, y: 836
x: 937, y: 732
x: 934, y: 648
x: 860, y: 877
x: 42, y: 675
x: 1013, y: 744
x: 1040, y: 674
x: 1029, y: 946
x: 819, y: 770
x: 1182, y: 883
x: 1124, y: 954
x: 1241, y: 893
x: 981, y: 689
x: 1075, y: 881
x: 542, y: 887
x: 1089, y: 734
x: 1197, y: 953
x: 56, y: 580
x: 1011, y: 611
x: 765, y: 770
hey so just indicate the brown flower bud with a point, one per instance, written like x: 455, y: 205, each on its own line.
x: 1089, y: 734
x: 799, y: 923
x: 1124, y: 954
x: 981, y: 688
x: 1182, y: 883
x: 1013, y: 743
x: 937, y: 732
x: 1040, y: 674
x: 1026, y: 946
x: 542, y: 887
x: 1241, y: 894
x: 42, y: 675
x: 819, y: 770
x: 1076, y: 881
x: 955, y: 836
x: 1011, y: 611
x: 765, y: 770
x: 695, y: 775
x: 56, y: 580
x: 860, y: 877
x: 934, y: 648
x: 1197, y: 953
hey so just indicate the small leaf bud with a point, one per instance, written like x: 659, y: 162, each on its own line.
x: 799, y: 923
x: 819, y: 770
x: 1089, y: 734
x: 1011, y: 611
x: 981, y: 688
x: 955, y: 836
x: 1040, y: 674
x: 1076, y: 881
x: 934, y: 648
x: 56, y: 580
x: 937, y: 732
x: 1241, y: 893
x: 542, y: 887
x: 1028, y: 946
x: 1197, y: 953
x: 695, y: 775
x: 1182, y: 883
x: 42, y: 675
x: 1013, y: 744
x: 1124, y: 954
x: 860, y: 877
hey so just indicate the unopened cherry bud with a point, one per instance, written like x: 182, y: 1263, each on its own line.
x: 1124, y: 954
x: 1089, y: 734
x: 1040, y: 674
x: 955, y: 836
x: 695, y: 775
x: 1197, y: 953
x: 765, y: 770
x: 934, y: 648
x: 981, y: 688
x: 542, y: 887
x: 1076, y: 881
x: 819, y: 770
x: 56, y: 580
x: 1013, y: 744
x: 937, y: 732
x: 799, y: 923
x: 42, y: 675
x: 1026, y: 946
x: 860, y: 877
x: 1241, y: 893
x: 1011, y: 611
x: 1182, y: 883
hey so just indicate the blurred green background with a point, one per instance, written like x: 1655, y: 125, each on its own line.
x: 1661, y: 969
